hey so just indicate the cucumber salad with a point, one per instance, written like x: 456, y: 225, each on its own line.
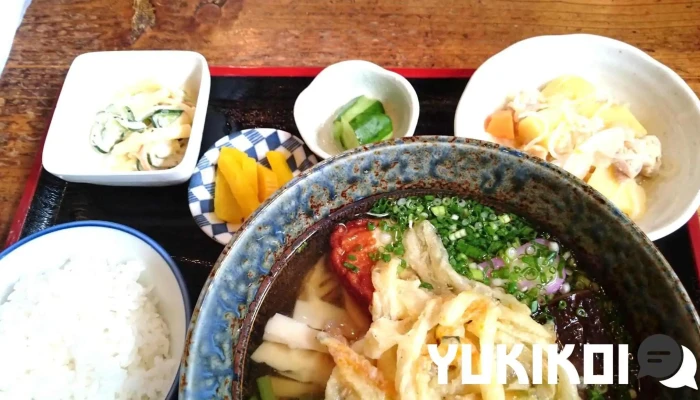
x: 146, y: 128
x: 362, y: 121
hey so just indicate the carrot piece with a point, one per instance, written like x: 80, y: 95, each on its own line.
x: 240, y: 178
x: 501, y: 124
x: 225, y: 205
x: 278, y: 162
x: 267, y: 183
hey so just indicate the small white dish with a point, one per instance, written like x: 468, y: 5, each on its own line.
x: 52, y: 247
x: 91, y: 84
x: 318, y: 105
x: 664, y: 104
x: 255, y: 143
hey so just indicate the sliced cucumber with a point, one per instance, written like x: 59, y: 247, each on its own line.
x: 163, y: 118
x: 137, y: 126
x: 338, y: 132
x: 129, y: 114
x: 348, y: 139
x: 371, y: 128
x: 119, y: 111
x: 346, y: 107
x: 361, y: 105
x: 361, y: 121
x: 104, y: 136
x: 148, y: 115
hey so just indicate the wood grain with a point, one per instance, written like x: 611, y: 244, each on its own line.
x: 397, y: 33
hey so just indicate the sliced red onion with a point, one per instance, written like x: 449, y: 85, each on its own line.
x: 554, y: 285
x: 496, y: 263
x: 523, y: 249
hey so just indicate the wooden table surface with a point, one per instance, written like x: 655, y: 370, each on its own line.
x: 394, y: 33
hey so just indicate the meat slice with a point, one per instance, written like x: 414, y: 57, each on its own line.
x: 352, y: 244
x: 639, y: 156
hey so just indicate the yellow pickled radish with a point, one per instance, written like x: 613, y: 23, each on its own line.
x: 267, y: 183
x: 278, y: 162
x: 225, y: 205
x: 240, y: 179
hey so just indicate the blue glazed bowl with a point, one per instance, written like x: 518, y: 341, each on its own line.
x: 612, y: 248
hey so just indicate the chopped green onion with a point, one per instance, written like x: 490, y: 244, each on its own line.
x: 438, y: 211
x: 581, y: 312
x: 477, y: 274
x: 561, y: 305
x: 426, y: 285
x: 370, y: 226
x: 352, y: 257
x: 386, y: 257
x: 351, y: 267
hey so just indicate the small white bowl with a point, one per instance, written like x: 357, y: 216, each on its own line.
x: 664, y: 104
x: 318, y: 105
x: 91, y: 84
x: 54, y: 246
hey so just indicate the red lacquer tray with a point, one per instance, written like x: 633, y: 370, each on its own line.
x: 245, y: 98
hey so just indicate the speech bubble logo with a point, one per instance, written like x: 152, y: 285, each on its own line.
x: 659, y: 356
x: 686, y: 374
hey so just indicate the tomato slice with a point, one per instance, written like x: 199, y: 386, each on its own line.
x: 351, y: 246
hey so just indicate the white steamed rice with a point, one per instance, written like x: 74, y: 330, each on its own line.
x: 84, y: 330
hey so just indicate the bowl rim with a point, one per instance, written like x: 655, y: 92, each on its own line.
x: 133, y: 232
x: 174, y: 175
x: 460, y: 129
x: 194, y: 359
x: 400, y: 80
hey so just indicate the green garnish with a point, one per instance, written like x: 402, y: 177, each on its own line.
x: 370, y: 226
x: 474, y: 234
x: 352, y: 257
x: 351, y: 267
x: 426, y: 285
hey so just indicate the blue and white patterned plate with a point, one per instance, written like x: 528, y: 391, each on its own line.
x: 254, y: 142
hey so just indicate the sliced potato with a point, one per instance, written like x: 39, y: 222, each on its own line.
x: 612, y: 115
x: 569, y: 87
x: 624, y: 192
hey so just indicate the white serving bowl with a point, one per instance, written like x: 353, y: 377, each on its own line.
x: 318, y: 105
x: 91, y: 84
x: 53, y: 246
x: 664, y: 104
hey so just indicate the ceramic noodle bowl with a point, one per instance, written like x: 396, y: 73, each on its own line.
x: 260, y: 271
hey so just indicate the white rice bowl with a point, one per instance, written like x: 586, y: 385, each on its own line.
x: 84, y: 329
